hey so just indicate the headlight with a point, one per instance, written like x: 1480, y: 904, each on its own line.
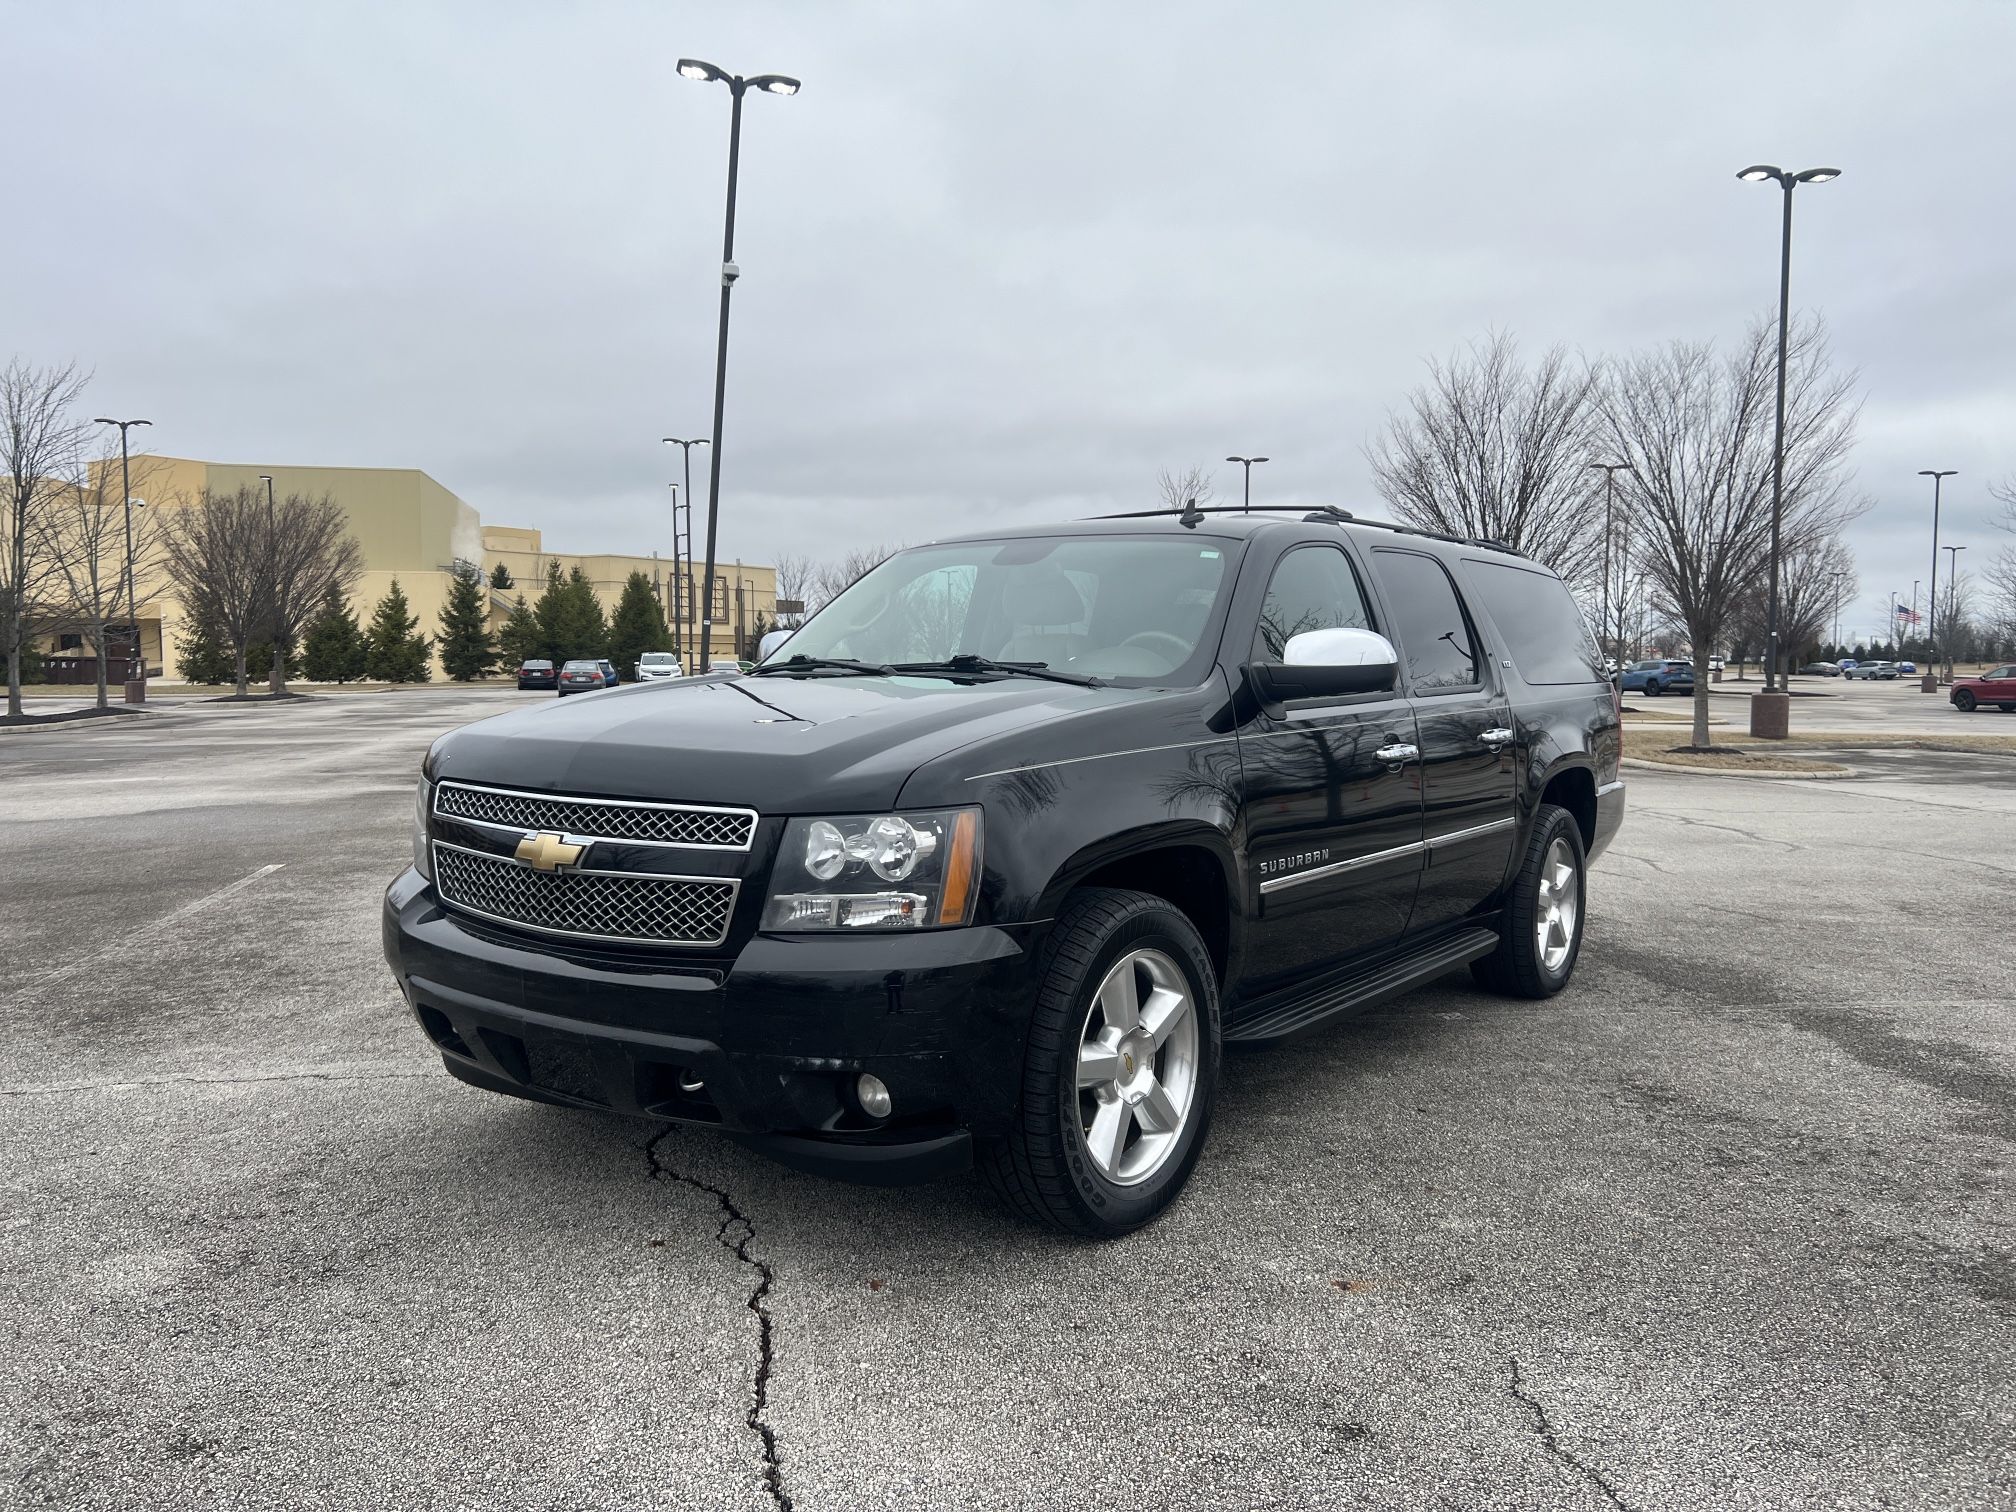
x: 877, y: 871
x: 423, y: 800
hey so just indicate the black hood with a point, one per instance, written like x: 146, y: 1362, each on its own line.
x: 777, y: 744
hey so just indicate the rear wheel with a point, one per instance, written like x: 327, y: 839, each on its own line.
x: 1654, y: 689
x: 1964, y: 701
x: 1540, y: 935
x: 1121, y: 1071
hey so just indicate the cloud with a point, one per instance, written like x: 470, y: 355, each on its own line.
x: 999, y: 262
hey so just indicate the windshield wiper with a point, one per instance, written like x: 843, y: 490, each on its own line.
x: 805, y: 664
x: 967, y: 664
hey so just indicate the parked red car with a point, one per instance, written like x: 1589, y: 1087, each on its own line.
x: 1996, y: 686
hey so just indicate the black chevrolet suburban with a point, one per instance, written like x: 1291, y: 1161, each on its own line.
x: 991, y: 860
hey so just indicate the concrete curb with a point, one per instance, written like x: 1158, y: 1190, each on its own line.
x: 1643, y: 765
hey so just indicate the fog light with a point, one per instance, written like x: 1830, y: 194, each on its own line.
x: 873, y: 1096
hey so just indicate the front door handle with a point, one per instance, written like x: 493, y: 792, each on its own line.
x: 1396, y: 754
x: 1496, y: 738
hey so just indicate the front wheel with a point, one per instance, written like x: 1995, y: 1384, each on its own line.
x: 1540, y: 934
x: 1121, y: 1071
x: 1964, y: 701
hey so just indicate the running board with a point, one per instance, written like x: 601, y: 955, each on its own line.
x: 1297, y: 1010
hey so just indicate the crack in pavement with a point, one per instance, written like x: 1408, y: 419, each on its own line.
x: 1553, y: 1444
x: 759, y: 1395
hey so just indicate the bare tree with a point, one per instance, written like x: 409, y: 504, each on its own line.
x: 2001, y: 571
x: 1489, y: 447
x: 88, y: 542
x: 216, y: 553
x: 829, y: 579
x: 795, y: 580
x: 39, y: 447
x: 1179, y: 490
x: 309, y: 551
x: 1697, y: 430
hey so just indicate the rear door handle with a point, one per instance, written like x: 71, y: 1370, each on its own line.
x: 1495, y: 738
x: 1394, y: 755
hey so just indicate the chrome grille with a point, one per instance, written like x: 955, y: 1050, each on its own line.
x: 694, y: 828
x: 623, y: 906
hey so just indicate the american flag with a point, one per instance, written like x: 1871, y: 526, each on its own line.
x: 1908, y: 614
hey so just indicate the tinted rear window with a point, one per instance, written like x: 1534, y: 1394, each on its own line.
x: 1544, y: 631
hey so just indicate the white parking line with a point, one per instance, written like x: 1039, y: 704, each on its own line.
x: 123, y: 946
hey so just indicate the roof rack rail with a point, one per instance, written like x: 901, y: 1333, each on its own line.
x: 1192, y: 514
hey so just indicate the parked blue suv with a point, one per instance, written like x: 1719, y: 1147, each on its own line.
x: 1656, y: 677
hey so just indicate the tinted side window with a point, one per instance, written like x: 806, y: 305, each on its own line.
x: 1545, y: 634
x: 1437, y: 646
x: 1313, y: 588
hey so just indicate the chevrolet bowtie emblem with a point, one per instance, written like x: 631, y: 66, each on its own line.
x: 548, y: 852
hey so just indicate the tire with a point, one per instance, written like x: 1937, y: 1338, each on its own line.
x: 1653, y: 689
x: 1964, y: 701
x: 1046, y: 1169
x: 2007, y: 708
x: 1519, y: 967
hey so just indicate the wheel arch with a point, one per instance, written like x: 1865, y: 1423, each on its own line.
x: 1189, y: 865
x: 1570, y: 783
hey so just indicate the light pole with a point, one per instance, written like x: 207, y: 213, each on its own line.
x: 1247, y: 463
x: 671, y: 609
x: 1892, y: 636
x: 1952, y: 602
x: 1609, y: 471
x: 272, y: 555
x: 1912, y: 617
x: 686, y: 493
x: 126, y: 495
x: 1931, y: 680
x: 1837, y: 576
x: 778, y: 84
x: 1771, y: 719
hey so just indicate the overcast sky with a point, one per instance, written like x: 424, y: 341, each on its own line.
x: 1000, y: 261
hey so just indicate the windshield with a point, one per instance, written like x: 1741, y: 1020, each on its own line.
x: 1126, y: 609
x: 657, y: 658
x: 582, y: 666
x: 1646, y: 666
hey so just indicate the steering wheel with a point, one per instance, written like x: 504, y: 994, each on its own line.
x: 1173, y: 646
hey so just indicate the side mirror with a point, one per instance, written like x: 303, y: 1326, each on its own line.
x: 770, y: 642
x: 1328, y: 664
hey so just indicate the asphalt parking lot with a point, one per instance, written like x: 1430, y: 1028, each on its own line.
x: 1727, y: 1224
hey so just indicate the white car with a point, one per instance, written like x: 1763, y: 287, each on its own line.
x: 654, y: 666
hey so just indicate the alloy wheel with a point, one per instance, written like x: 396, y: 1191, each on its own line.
x: 1137, y: 1066
x: 1560, y: 905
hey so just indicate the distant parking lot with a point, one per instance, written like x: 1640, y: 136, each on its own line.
x: 1727, y: 1223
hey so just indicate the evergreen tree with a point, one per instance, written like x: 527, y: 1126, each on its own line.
x: 639, y: 626
x: 260, y: 654
x: 203, y: 657
x: 334, y: 647
x: 396, y: 654
x: 518, y: 642
x: 500, y: 578
x: 571, y: 622
x: 468, y: 649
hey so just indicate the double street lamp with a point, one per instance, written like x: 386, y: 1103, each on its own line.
x: 1931, y: 681
x: 776, y: 84
x: 126, y: 494
x: 1609, y: 471
x: 1247, y: 463
x: 685, y: 496
x: 1952, y: 603
x: 1769, y: 720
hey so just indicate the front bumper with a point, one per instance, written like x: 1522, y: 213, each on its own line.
x: 765, y: 1045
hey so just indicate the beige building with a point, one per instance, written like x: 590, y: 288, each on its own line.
x: 413, y: 529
